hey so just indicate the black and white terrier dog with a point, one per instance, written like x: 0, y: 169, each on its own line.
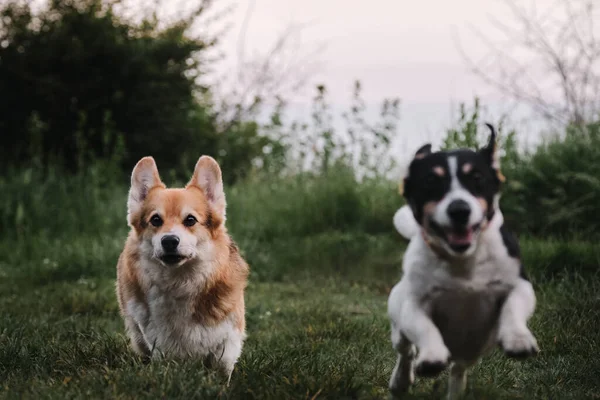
x: 463, y: 287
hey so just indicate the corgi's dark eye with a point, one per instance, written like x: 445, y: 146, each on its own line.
x: 156, y: 220
x: 190, y: 220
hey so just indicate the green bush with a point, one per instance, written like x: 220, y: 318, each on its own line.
x: 556, y: 190
x: 55, y: 204
x: 89, y: 79
x: 81, y: 83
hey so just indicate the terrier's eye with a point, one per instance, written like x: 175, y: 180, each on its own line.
x: 190, y: 220
x: 431, y: 180
x: 156, y: 220
x: 478, y: 179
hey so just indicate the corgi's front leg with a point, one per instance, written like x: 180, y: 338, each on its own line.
x: 136, y: 321
x: 514, y: 336
x: 231, y: 353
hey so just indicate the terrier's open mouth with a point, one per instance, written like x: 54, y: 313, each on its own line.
x: 460, y: 239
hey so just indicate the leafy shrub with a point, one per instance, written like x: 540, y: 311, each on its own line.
x: 82, y: 83
x: 52, y: 203
x: 556, y: 189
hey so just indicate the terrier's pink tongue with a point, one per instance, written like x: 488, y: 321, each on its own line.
x: 460, y: 238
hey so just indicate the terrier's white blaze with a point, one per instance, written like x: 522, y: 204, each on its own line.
x: 405, y: 222
x: 457, y: 192
x: 453, y: 166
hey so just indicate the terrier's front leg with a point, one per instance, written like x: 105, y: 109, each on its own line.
x: 418, y: 327
x: 514, y: 337
x: 403, y: 374
x: 457, y: 381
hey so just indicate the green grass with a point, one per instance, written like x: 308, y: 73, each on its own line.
x: 315, y: 304
x: 315, y: 329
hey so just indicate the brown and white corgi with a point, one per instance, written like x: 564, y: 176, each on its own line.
x: 180, y: 278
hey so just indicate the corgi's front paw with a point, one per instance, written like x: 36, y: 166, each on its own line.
x: 518, y: 344
x: 432, y: 361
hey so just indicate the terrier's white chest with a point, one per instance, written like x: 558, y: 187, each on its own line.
x: 465, y: 307
x: 466, y: 317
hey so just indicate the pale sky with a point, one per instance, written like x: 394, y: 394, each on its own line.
x: 396, y: 48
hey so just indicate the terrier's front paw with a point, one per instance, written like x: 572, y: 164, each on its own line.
x: 432, y: 361
x: 518, y: 344
x: 402, y: 377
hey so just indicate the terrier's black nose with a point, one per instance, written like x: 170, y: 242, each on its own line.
x: 459, y: 212
x: 169, y: 243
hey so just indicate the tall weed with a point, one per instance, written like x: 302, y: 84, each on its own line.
x: 51, y: 202
x: 94, y: 202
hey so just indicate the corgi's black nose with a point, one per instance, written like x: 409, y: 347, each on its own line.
x: 459, y: 212
x: 169, y: 243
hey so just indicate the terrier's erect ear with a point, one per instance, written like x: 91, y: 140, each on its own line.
x: 490, y: 152
x: 143, y: 178
x: 423, y: 151
x: 405, y: 187
x: 207, y: 176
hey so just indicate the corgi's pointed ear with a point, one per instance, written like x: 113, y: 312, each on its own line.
x: 490, y: 152
x: 423, y: 152
x: 207, y: 176
x: 143, y: 178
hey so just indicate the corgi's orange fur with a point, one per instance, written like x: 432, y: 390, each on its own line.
x: 180, y: 277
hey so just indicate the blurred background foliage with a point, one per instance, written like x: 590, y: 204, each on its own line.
x: 88, y: 91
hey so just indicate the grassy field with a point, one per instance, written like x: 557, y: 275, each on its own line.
x: 323, y: 261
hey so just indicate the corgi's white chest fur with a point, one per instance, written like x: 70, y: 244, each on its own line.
x: 169, y: 326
